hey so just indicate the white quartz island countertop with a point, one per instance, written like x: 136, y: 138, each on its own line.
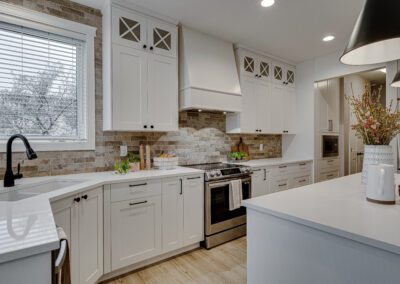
x: 27, y: 226
x: 337, y: 207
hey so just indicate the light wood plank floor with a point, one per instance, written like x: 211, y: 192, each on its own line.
x: 222, y: 264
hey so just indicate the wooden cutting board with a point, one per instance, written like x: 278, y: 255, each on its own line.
x: 241, y: 147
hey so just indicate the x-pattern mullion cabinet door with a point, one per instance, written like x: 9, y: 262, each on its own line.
x: 278, y: 73
x: 264, y: 68
x: 290, y: 76
x: 248, y: 63
x: 129, y: 29
x: 162, y: 38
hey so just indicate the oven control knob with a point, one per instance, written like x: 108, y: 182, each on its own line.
x: 212, y: 174
x: 218, y: 174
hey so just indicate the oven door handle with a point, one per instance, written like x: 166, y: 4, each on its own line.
x: 219, y: 184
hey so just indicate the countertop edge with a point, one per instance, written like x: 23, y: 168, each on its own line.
x: 324, y: 228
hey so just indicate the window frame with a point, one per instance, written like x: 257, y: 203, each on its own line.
x: 35, y: 20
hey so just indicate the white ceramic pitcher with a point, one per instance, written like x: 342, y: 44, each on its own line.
x: 380, y: 184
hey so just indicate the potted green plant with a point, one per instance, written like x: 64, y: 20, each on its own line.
x: 134, y: 162
x: 376, y: 125
x: 236, y: 156
x: 121, y: 167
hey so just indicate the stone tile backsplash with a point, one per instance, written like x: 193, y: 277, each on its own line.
x: 201, y: 137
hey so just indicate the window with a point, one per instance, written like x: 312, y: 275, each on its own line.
x: 47, y: 79
x: 41, y: 90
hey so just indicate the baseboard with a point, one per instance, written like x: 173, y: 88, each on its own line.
x: 148, y: 262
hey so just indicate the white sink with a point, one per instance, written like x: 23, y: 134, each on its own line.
x: 28, y: 190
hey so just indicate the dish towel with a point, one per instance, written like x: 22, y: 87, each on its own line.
x: 235, y: 194
x: 64, y: 276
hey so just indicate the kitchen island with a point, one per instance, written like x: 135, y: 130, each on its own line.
x: 322, y: 233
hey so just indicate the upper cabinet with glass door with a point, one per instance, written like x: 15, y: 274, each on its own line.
x: 284, y: 74
x: 134, y: 30
x: 253, y: 65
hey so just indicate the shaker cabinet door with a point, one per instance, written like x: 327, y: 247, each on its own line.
x: 136, y: 230
x: 129, y: 110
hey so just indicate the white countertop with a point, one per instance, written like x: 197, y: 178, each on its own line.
x: 338, y: 207
x: 27, y: 226
x: 271, y: 162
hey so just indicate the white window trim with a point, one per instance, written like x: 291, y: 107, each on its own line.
x: 25, y: 17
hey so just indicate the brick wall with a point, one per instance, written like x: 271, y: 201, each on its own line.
x: 200, y: 139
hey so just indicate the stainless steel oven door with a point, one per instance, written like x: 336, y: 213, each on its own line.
x: 218, y: 217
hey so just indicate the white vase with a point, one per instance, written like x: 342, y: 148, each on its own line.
x: 373, y: 155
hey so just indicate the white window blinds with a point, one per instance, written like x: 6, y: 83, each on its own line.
x: 41, y: 84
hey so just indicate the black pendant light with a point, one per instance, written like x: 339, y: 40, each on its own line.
x: 376, y: 34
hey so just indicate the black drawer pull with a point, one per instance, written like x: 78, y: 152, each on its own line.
x: 330, y: 161
x: 303, y: 180
x: 282, y: 167
x: 302, y: 164
x: 137, y: 203
x: 194, y: 178
x: 284, y: 184
x: 136, y: 185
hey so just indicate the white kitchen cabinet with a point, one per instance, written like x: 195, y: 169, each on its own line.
x: 172, y: 214
x: 290, y: 111
x: 141, y: 90
x: 276, y: 109
x: 81, y: 217
x: 162, y: 94
x: 247, y: 63
x: 278, y: 73
x: 129, y: 105
x: 193, y: 210
x: 136, y: 230
x: 182, y: 213
x: 290, y: 76
x: 129, y: 28
x: 328, y: 105
x: 259, y: 182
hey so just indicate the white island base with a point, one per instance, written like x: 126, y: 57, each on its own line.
x: 324, y: 233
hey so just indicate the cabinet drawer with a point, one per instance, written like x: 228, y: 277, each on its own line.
x: 279, y: 185
x: 329, y: 163
x: 136, y: 189
x: 281, y: 170
x: 301, y: 167
x: 300, y: 181
x: 328, y: 175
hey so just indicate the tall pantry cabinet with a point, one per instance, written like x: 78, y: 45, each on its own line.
x: 140, y: 70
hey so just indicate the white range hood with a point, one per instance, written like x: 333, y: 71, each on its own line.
x: 208, y: 75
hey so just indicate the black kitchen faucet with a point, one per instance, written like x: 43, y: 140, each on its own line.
x: 9, y: 176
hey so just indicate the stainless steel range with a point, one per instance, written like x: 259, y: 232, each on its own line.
x: 222, y: 224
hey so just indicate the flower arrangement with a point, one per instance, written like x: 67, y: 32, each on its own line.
x: 376, y: 124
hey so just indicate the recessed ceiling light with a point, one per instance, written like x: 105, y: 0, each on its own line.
x: 383, y: 70
x: 267, y: 3
x: 328, y: 38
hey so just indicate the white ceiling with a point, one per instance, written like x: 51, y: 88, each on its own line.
x: 291, y: 29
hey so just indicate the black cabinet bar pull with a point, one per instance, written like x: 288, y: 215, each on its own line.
x: 302, y: 164
x: 181, y: 192
x: 282, y: 167
x: 194, y: 178
x: 284, y: 184
x: 137, y: 203
x: 140, y: 184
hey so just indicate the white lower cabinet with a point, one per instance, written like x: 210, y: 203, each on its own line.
x: 193, y: 210
x: 148, y: 218
x: 260, y: 182
x: 135, y: 230
x: 81, y: 217
x: 280, y: 177
x: 172, y: 214
x: 182, y: 212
